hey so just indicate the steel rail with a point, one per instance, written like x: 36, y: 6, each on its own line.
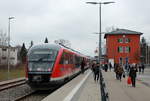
x: 12, y: 84
x: 24, y: 96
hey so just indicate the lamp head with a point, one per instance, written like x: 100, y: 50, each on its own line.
x: 91, y: 2
x: 108, y: 2
x: 11, y: 18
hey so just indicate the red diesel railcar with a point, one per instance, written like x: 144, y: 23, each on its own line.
x: 50, y: 65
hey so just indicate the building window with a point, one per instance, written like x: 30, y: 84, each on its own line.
x: 120, y: 49
x: 120, y: 40
x: 127, y: 40
x: 12, y: 58
x: 13, y: 50
x: 127, y: 49
x: 4, y: 49
x: 3, y: 58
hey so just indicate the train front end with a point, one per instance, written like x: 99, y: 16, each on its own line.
x: 40, y: 63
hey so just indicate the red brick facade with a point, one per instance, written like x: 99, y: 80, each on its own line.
x: 123, y: 48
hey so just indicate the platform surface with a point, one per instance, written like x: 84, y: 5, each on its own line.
x: 121, y: 91
x: 82, y: 88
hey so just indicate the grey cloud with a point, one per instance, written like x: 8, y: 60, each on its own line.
x: 73, y: 20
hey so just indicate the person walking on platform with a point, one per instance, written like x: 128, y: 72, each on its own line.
x: 142, y: 67
x: 82, y: 66
x: 96, y: 72
x: 106, y: 67
x: 116, y: 66
x: 110, y: 66
x: 93, y: 67
x: 120, y: 72
x: 133, y: 74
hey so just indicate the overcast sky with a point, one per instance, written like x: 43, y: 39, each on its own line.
x: 73, y: 20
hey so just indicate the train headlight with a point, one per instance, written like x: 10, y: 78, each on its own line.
x: 30, y: 69
x: 49, y: 69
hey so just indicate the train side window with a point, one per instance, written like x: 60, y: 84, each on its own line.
x: 66, y: 62
x: 71, y: 59
x: 77, y: 61
x: 65, y: 58
x: 62, y: 59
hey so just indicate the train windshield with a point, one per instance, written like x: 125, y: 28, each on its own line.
x: 41, y: 60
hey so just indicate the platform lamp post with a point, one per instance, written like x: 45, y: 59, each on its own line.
x: 104, y: 96
x: 99, y: 3
x: 8, y: 60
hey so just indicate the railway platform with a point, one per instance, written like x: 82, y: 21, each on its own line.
x: 121, y: 91
x: 82, y: 88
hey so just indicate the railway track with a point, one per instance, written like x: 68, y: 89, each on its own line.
x: 22, y: 92
x: 35, y: 95
x: 24, y: 96
x: 12, y: 83
x: 38, y: 95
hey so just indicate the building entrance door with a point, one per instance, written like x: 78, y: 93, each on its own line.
x: 120, y: 60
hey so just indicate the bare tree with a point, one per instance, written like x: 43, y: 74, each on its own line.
x: 3, y: 38
x: 31, y: 44
x: 110, y: 29
x: 143, y: 50
x: 63, y: 42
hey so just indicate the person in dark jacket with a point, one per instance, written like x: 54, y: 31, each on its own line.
x: 93, y: 65
x: 96, y: 72
x: 106, y: 67
x: 120, y: 71
x: 133, y: 74
x: 82, y: 66
x: 110, y: 66
x: 116, y: 70
x: 142, y: 67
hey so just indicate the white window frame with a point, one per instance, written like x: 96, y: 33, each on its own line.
x: 127, y: 49
x: 127, y: 40
x: 120, y: 40
x: 120, y: 49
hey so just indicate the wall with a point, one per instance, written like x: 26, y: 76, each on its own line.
x: 112, y: 45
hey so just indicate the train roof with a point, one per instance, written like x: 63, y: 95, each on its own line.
x: 46, y: 46
x: 52, y: 46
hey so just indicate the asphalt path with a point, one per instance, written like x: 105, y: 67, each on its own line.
x: 144, y: 77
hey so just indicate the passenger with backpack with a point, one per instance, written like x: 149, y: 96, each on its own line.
x: 96, y: 70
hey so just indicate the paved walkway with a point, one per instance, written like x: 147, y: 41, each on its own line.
x: 120, y: 91
x: 81, y: 88
x: 90, y: 91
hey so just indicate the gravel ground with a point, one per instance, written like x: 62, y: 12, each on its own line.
x: 11, y: 94
x: 38, y: 96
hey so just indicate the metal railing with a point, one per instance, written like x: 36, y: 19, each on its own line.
x: 104, y: 92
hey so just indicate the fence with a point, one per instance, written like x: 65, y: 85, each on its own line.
x: 104, y: 92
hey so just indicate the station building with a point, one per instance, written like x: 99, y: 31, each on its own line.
x: 123, y: 46
x: 4, y: 55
